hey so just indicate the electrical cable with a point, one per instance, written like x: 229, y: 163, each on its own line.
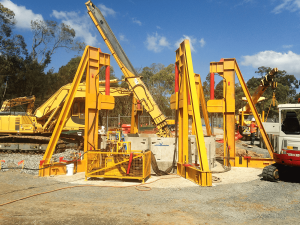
x: 58, y: 189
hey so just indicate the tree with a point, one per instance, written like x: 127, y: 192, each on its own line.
x: 285, y: 91
x: 160, y: 82
x: 48, y: 36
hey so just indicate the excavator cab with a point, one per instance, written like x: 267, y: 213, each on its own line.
x: 290, y: 124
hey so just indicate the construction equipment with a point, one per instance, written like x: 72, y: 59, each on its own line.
x: 227, y: 68
x: 245, y: 114
x: 118, y: 161
x: 8, y: 104
x: 186, y: 101
x: 287, y: 154
x: 31, y: 132
x: 135, y: 83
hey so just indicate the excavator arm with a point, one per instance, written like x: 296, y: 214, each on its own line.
x: 8, y: 104
x: 266, y: 82
x: 136, y: 85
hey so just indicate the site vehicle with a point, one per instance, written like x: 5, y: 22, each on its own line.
x: 288, y: 152
x: 136, y: 85
x: 31, y: 132
x: 245, y: 114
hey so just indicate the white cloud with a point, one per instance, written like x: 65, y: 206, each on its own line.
x: 23, y: 16
x: 202, y: 42
x: 122, y: 37
x: 136, y: 21
x: 290, y: 5
x: 283, y: 61
x: 81, y: 25
x: 158, y: 27
x: 193, y: 41
x: 156, y: 43
x: 287, y: 46
x: 106, y: 11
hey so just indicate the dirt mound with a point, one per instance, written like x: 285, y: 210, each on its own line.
x: 238, y: 152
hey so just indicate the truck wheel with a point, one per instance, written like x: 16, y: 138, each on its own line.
x: 271, y: 173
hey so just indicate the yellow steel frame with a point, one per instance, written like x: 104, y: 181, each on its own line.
x: 201, y: 97
x: 91, y: 62
x: 227, y: 68
x: 201, y: 175
x: 135, y: 113
x: 94, y: 167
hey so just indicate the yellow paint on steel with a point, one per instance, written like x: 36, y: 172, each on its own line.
x: 203, y: 104
x: 66, y: 108
x: 201, y: 175
x: 134, y: 117
x: 196, y: 109
x: 229, y: 65
x: 136, y: 85
x: 89, y: 59
x: 253, y: 110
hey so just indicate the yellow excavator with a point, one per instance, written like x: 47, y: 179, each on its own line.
x: 10, y: 103
x: 32, y: 131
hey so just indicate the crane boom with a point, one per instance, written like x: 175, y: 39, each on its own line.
x: 136, y: 85
x: 264, y: 84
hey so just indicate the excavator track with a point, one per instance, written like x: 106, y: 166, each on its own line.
x: 35, y: 144
x: 271, y: 173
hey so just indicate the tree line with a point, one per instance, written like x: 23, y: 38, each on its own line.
x: 23, y: 70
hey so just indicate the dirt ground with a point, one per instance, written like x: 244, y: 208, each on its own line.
x: 240, y: 197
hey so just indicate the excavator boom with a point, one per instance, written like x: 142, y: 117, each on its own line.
x: 136, y: 85
x: 264, y: 84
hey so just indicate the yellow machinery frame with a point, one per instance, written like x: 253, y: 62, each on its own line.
x: 227, y: 68
x: 91, y: 62
x: 115, y: 165
x: 180, y: 101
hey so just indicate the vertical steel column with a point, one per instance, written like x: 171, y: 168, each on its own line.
x: 91, y: 101
x: 229, y: 116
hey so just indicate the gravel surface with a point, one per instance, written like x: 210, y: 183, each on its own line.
x: 31, y: 161
x: 255, y: 201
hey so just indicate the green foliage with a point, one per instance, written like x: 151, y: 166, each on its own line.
x: 160, y: 82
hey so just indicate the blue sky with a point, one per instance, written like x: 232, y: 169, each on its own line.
x: 256, y: 33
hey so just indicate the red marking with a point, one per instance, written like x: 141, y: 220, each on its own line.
x: 22, y: 161
x: 99, y: 50
x: 229, y: 147
x: 229, y: 83
x: 237, y: 137
x: 212, y: 86
x: 138, y: 104
x: 260, y: 126
x: 61, y: 159
x: 291, y: 158
x: 187, y: 165
x: 222, y: 60
x: 42, y: 162
x: 92, y: 75
x: 91, y: 148
x: 107, y: 80
x: 176, y: 78
x: 2, y: 161
x: 129, y: 163
x: 247, y: 157
x: 60, y: 123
